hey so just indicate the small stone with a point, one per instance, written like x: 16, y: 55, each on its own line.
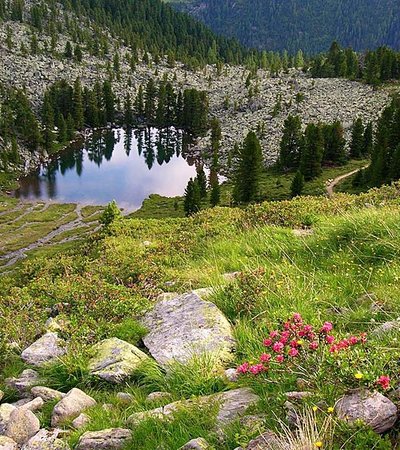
x: 158, y: 396
x: 5, y: 412
x: 196, y: 444
x: 203, y: 293
x: 22, y: 402
x: 231, y: 276
x: 24, y: 382
x: 110, y: 439
x: 71, y: 406
x: 125, y: 397
x: 34, y: 405
x: 231, y: 375
x: 47, y: 394
x: 266, y: 441
x: 298, y: 395
x: 22, y: 425
x: 373, y: 408
x: 45, y: 440
x: 81, y: 421
x: 7, y: 443
x: 1, y: 395
x: 387, y: 327
x: 45, y: 350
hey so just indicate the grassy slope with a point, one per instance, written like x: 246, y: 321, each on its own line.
x: 107, y: 285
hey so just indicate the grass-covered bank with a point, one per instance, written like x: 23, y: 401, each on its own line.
x: 346, y: 273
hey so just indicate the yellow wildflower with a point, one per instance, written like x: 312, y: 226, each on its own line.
x: 331, y: 409
x: 315, y: 408
x: 358, y: 376
x: 318, y: 444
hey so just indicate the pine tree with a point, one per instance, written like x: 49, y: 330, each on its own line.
x: 70, y: 123
x: 62, y: 129
x: 368, y: 140
x: 78, y: 53
x: 215, y: 194
x: 311, y: 158
x: 291, y: 143
x: 395, y: 165
x: 249, y: 169
x: 297, y: 185
x: 150, y: 96
x: 139, y: 103
x: 202, y: 182
x: 357, y: 139
x: 109, y: 101
x: 34, y: 44
x: 334, y: 143
x: 68, y: 50
x: 78, y: 110
x: 192, y: 199
x: 128, y: 115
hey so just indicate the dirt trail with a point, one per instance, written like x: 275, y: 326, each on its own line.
x: 332, y: 184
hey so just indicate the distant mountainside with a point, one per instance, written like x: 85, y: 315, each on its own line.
x: 310, y: 25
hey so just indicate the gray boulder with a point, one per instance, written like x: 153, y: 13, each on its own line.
x: 22, y: 425
x: 71, y: 406
x: 47, y: 394
x: 196, y: 444
x: 111, y: 439
x: 372, y: 408
x: 45, y: 440
x: 34, y: 405
x: 185, y: 326
x: 266, y: 441
x: 81, y: 421
x: 5, y: 412
x: 115, y: 360
x: 46, y: 349
x: 7, y: 443
x: 387, y: 327
x: 24, y: 382
x: 232, y: 405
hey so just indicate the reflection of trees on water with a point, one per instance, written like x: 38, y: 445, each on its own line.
x: 154, y: 145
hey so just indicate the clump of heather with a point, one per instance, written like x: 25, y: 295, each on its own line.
x: 299, y: 345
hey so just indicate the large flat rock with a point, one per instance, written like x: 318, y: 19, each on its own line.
x: 115, y: 360
x: 231, y: 406
x: 185, y: 326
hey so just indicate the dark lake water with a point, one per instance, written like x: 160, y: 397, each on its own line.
x: 114, y: 165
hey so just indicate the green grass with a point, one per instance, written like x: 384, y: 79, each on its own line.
x: 106, y: 285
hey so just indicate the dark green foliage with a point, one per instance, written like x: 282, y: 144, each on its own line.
x: 291, y: 143
x: 68, y: 50
x: 297, y: 185
x: 110, y: 214
x: 334, y: 143
x: 128, y: 112
x: 215, y: 194
x: 192, y: 199
x: 357, y: 149
x: 310, y: 25
x: 311, y: 157
x: 374, y: 67
x: 202, y: 181
x: 248, y: 170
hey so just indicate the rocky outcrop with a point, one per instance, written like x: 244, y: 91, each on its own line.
x: 45, y: 350
x: 373, y: 408
x: 46, y: 394
x: 231, y: 405
x: 111, y: 439
x: 196, y: 444
x: 71, y: 406
x: 116, y: 360
x: 7, y: 443
x: 185, y: 326
x: 266, y: 441
x: 5, y: 412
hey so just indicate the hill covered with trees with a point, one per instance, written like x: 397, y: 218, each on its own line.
x: 310, y: 25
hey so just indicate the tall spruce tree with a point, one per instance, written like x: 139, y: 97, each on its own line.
x: 78, y: 109
x: 291, y: 144
x: 357, y: 139
x: 311, y: 158
x: 192, y: 198
x: 249, y: 169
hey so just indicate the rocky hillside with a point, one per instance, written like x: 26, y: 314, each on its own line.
x: 263, y: 102
x: 272, y: 327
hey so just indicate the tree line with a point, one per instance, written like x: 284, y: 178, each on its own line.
x: 373, y: 66
x: 385, y: 150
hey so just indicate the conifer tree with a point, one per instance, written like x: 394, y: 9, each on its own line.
x: 368, y: 140
x: 311, y: 158
x: 109, y: 101
x: 297, y: 185
x: 215, y: 194
x: 357, y: 139
x: 192, y: 199
x: 78, y: 109
x: 139, y: 103
x: 150, y: 103
x: 78, y: 53
x: 128, y: 115
x: 291, y: 143
x: 248, y: 170
x: 201, y: 182
x: 68, y: 50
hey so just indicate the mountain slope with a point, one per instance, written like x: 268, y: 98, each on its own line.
x: 307, y: 24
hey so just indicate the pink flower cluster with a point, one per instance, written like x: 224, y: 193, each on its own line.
x: 294, y: 339
x: 384, y: 382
